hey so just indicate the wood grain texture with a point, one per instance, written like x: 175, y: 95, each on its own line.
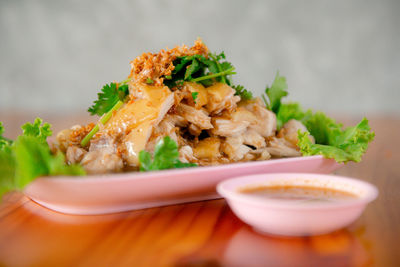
x: 207, y: 233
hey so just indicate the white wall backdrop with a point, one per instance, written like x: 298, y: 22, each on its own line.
x: 339, y: 56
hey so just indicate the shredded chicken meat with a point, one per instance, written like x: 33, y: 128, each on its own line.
x: 216, y: 128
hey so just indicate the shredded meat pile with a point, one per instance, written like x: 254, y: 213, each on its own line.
x: 216, y: 128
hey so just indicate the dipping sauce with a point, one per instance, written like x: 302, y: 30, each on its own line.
x: 299, y: 193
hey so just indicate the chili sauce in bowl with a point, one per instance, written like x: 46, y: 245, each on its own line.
x: 297, y: 204
x: 299, y: 194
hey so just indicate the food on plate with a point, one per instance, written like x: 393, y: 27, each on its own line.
x: 179, y: 108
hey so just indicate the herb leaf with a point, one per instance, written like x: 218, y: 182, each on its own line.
x: 216, y: 66
x: 198, y: 68
x: 110, y: 98
x: 242, y: 92
x: 193, y: 67
x: 276, y: 92
x: 110, y: 94
x: 166, y: 156
x: 194, y: 96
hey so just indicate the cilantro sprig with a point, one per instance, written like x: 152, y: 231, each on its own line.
x: 275, y: 93
x: 109, y: 96
x: 29, y: 157
x: 219, y: 67
x: 242, y: 92
x: 198, y: 68
x: 110, y: 99
x: 194, y: 96
x: 166, y: 156
x: 205, y: 70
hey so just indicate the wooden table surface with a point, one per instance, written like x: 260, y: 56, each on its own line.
x: 205, y: 233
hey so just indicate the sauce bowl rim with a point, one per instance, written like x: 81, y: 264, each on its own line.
x: 232, y: 195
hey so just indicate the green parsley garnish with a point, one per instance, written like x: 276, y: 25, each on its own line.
x: 110, y: 99
x: 194, y: 96
x: 198, y: 68
x: 103, y: 121
x: 109, y: 96
x: 166, y: 156
x: 242, y: 92
x: 277, y: 90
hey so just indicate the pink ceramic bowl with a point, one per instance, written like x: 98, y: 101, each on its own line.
x: 289, y: 218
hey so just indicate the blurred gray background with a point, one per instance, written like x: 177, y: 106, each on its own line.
x: 338, y: 56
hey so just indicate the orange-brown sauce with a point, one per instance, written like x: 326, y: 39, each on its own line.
x: 299, y: 193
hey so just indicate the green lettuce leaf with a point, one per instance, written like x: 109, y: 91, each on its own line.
x: 331, y: 139
x: 323, y: 128
x: 166, y: 156
x: 4, y: 142
x: 7, y: 172
x: 288, y: 111
x: 34, y: 159
x: 29, y: 157
x: 36, y: 129
x: 333, y: 142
